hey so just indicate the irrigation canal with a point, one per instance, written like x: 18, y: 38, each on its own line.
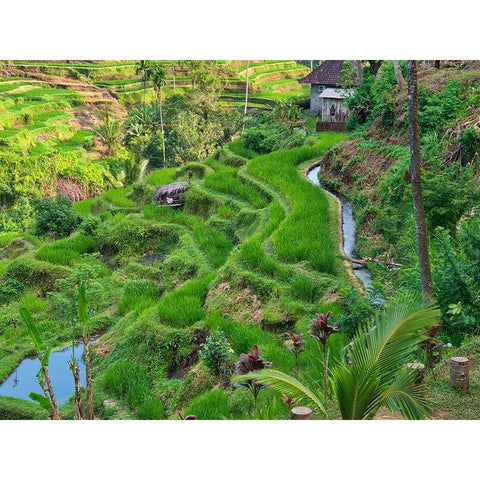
x: 348, y: 229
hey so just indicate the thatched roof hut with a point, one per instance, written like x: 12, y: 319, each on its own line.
x: 170, y: 194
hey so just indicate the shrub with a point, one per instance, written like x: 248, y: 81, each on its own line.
x: 215, y: 351
x: 134, y: 236
x: 55, y: 218
x: 35, y: 273
x: 358, y: 311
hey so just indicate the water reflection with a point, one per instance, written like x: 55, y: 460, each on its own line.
x: 24, y: 379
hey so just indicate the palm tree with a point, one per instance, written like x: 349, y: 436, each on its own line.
x: 375, y: 374
x: 141, y: 68
x: 416, y: 181
x: 157, y: 74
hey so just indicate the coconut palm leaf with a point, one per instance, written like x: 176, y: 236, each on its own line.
x: 404, y: 396
x: 377, y: 376
x: 283, y: 383
x: 354, y: 389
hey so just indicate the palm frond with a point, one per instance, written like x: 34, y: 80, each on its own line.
x: 377, y: 376
x: 354, y: 388
x: 283, y: 383
x: 404, y: 396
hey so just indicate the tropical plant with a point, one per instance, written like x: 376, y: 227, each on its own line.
x: 55, y: 217
x: 141, y: 68
x: 215, y: 351
x: 82, y: 305
x: 320, y: 330
x: 251, y: 363
x: 48, y: 400
x: 109, y: 130
x: 375, y: 374
x: 294, y: 343
x: 157, y: 74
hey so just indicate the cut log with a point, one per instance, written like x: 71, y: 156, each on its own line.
x: 459, y: 372
x: 301, y: 413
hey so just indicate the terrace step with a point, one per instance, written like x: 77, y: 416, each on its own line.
x: 91, y: 94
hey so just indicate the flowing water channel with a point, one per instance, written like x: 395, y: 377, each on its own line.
x: 348, y: 228
x: 24, y: 379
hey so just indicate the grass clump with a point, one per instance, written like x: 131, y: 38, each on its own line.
x: 138, y: 295
x: 214, y: 242
x: 183, y: 306
x: 161, y: 176
x: 117, y: 197
x: 303, y: 288
x: 127, y: 381
x: 212, y: 405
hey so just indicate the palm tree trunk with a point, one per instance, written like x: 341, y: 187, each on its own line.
x: 173, y: 74
x: 416, y: 180
x: 246, y: 97
x: 161, y: 124
x: 358, y: 66
x: 398, y: 74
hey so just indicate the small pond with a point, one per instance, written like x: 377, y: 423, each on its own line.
x: 348, y: 227
x: 24, y: 379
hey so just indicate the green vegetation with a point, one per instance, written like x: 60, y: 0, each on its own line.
x: 180, y: 299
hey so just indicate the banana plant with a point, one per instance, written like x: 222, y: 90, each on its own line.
x: 375, y: 374
x: 82, y: 307
x: 48, y: 400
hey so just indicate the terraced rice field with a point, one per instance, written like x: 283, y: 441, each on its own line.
x: 164, y: 274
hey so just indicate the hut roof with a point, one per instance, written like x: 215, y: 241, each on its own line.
x: 336, y: 93
x: 328, y: 73
x: 171, y: 190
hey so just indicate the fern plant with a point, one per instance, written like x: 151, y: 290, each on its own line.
x: 375, y: 374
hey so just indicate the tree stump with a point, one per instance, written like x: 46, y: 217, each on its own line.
x: 419, y: 369
x: 459, y: 370
x: 301, y: 413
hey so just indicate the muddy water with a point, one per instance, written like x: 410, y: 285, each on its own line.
x: 348, y: 227
x: 24, y: 379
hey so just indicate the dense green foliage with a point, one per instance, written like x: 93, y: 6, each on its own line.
x: 177, y: 295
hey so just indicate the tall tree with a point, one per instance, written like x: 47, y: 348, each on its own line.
x: 398, y: 74
x: 416, y: 180
x: 246, y: 96
x: 157, y: 74
x: 141, y: 68
x: 358, y: 66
